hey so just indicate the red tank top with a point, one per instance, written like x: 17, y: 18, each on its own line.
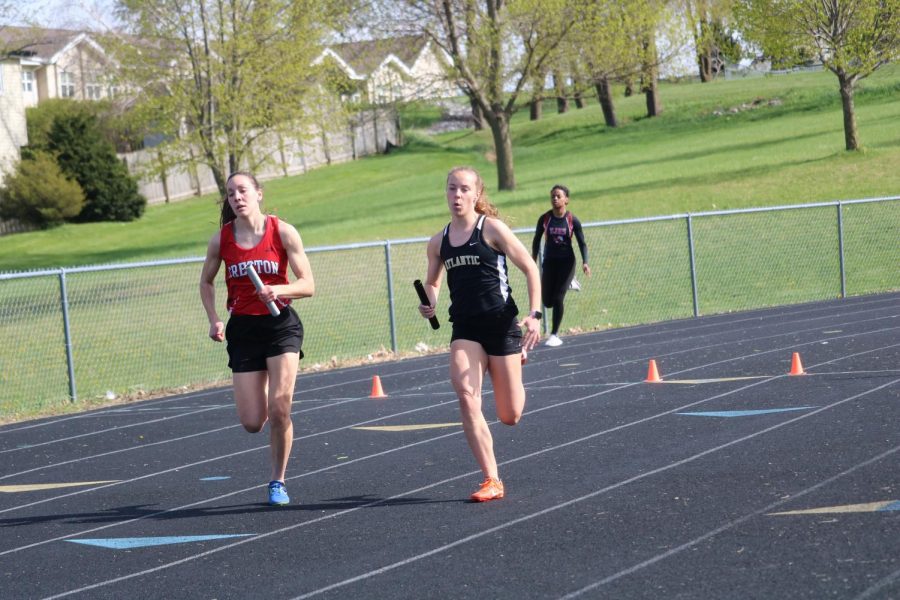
x: 268, y: 257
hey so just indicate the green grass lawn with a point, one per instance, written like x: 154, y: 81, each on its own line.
x: 689, y: 159
x: 143, y: 330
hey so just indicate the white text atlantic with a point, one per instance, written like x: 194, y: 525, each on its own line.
x: 461, y: 261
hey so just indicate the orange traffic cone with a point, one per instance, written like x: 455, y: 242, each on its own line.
x: 796, y: 365
x: 653, y: 373
x: 377, y: 391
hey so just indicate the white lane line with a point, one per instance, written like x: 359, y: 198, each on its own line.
x: 510, y: 523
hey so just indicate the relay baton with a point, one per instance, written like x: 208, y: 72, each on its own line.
x: 257, y: 282
x: 423, y: 297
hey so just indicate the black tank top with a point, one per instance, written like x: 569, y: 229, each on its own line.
x: 559, y: 237
x: 477, y: 277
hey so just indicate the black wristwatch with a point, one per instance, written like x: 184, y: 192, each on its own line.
x: 536, y: 314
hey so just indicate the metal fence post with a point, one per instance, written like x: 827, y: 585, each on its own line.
x: 840, y: 224
x: 690, y: 234
x: 390, y: 287
x: 70, y: 361
x: 545, y: 327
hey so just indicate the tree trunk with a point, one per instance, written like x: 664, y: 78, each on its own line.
x: 604, y: 96
x: 220, y: 179
x: 704, y: 56
x: 399, y: 129
x: 577, y: 89
x: 193, y: 172
x: 325, y: 149
x: 851, y: 138
x: 352, y: 138
x: 704, y: 63
x: 234, y: 162
x: 283, y: 155
x: 650, y: 74
x: 374, y: 127
x: 163, y: 175
x: 499, y: 122
x: 535, y: 107
x: 477, y: 115
x: 654, y: 108
x: 302, y: 153
x: 562, y: 101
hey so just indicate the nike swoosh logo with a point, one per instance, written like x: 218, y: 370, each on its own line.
x: 472, y: 243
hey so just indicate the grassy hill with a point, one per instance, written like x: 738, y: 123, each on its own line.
x: 727, y: 144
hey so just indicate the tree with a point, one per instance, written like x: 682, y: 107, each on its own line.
x: 648, y: 19
x: 650, y: 72
x: 37, y: 192
x: 39, y: 119
x: 707, y: 21
x: 223, y: 76
x: 598, y: 42
x: 83, y: 155
x: 615, y: 41
x: 497, y: 49
x: 852, y: 38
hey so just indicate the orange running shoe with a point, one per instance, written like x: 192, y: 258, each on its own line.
x: 491, y: 489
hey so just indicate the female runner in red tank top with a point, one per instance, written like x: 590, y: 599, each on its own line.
x: 263, y: 350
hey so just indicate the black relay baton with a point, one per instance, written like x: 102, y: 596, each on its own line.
x: 423, y: 298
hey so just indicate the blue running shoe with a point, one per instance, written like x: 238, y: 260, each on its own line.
x: 277, y: 494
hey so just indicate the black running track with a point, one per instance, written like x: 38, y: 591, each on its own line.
x: 729, y: 479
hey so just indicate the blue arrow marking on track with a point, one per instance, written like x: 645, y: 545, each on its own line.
x: 215, y: 478
x: 742, y: 413
x: 140, y: 542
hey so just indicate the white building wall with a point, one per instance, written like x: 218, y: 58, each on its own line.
x: 425, y: 79
x: 432, y: 78
x: 13, y: 133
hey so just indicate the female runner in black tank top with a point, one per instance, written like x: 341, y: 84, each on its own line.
x: 487, y: 337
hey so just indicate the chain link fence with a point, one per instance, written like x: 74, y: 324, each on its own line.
x: 83, y: 334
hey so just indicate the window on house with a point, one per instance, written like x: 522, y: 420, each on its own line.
x: 28, y: 81
x: 66, y: 85
x: 93, y: 89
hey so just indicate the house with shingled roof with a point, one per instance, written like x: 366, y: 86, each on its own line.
x: 37, y: 64
x: 390, y: 70
x: 58, y: 63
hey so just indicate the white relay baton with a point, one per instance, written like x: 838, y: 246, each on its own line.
x: 273, y: 310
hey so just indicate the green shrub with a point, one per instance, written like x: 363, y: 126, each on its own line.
x: 40, y: 118
x: 38, y: 193
x: 82, y: 153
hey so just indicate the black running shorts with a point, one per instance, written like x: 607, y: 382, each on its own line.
x: 254, y: 338
x: 499, y: 335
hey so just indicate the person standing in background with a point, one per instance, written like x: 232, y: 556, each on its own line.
x: 557, y: 226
